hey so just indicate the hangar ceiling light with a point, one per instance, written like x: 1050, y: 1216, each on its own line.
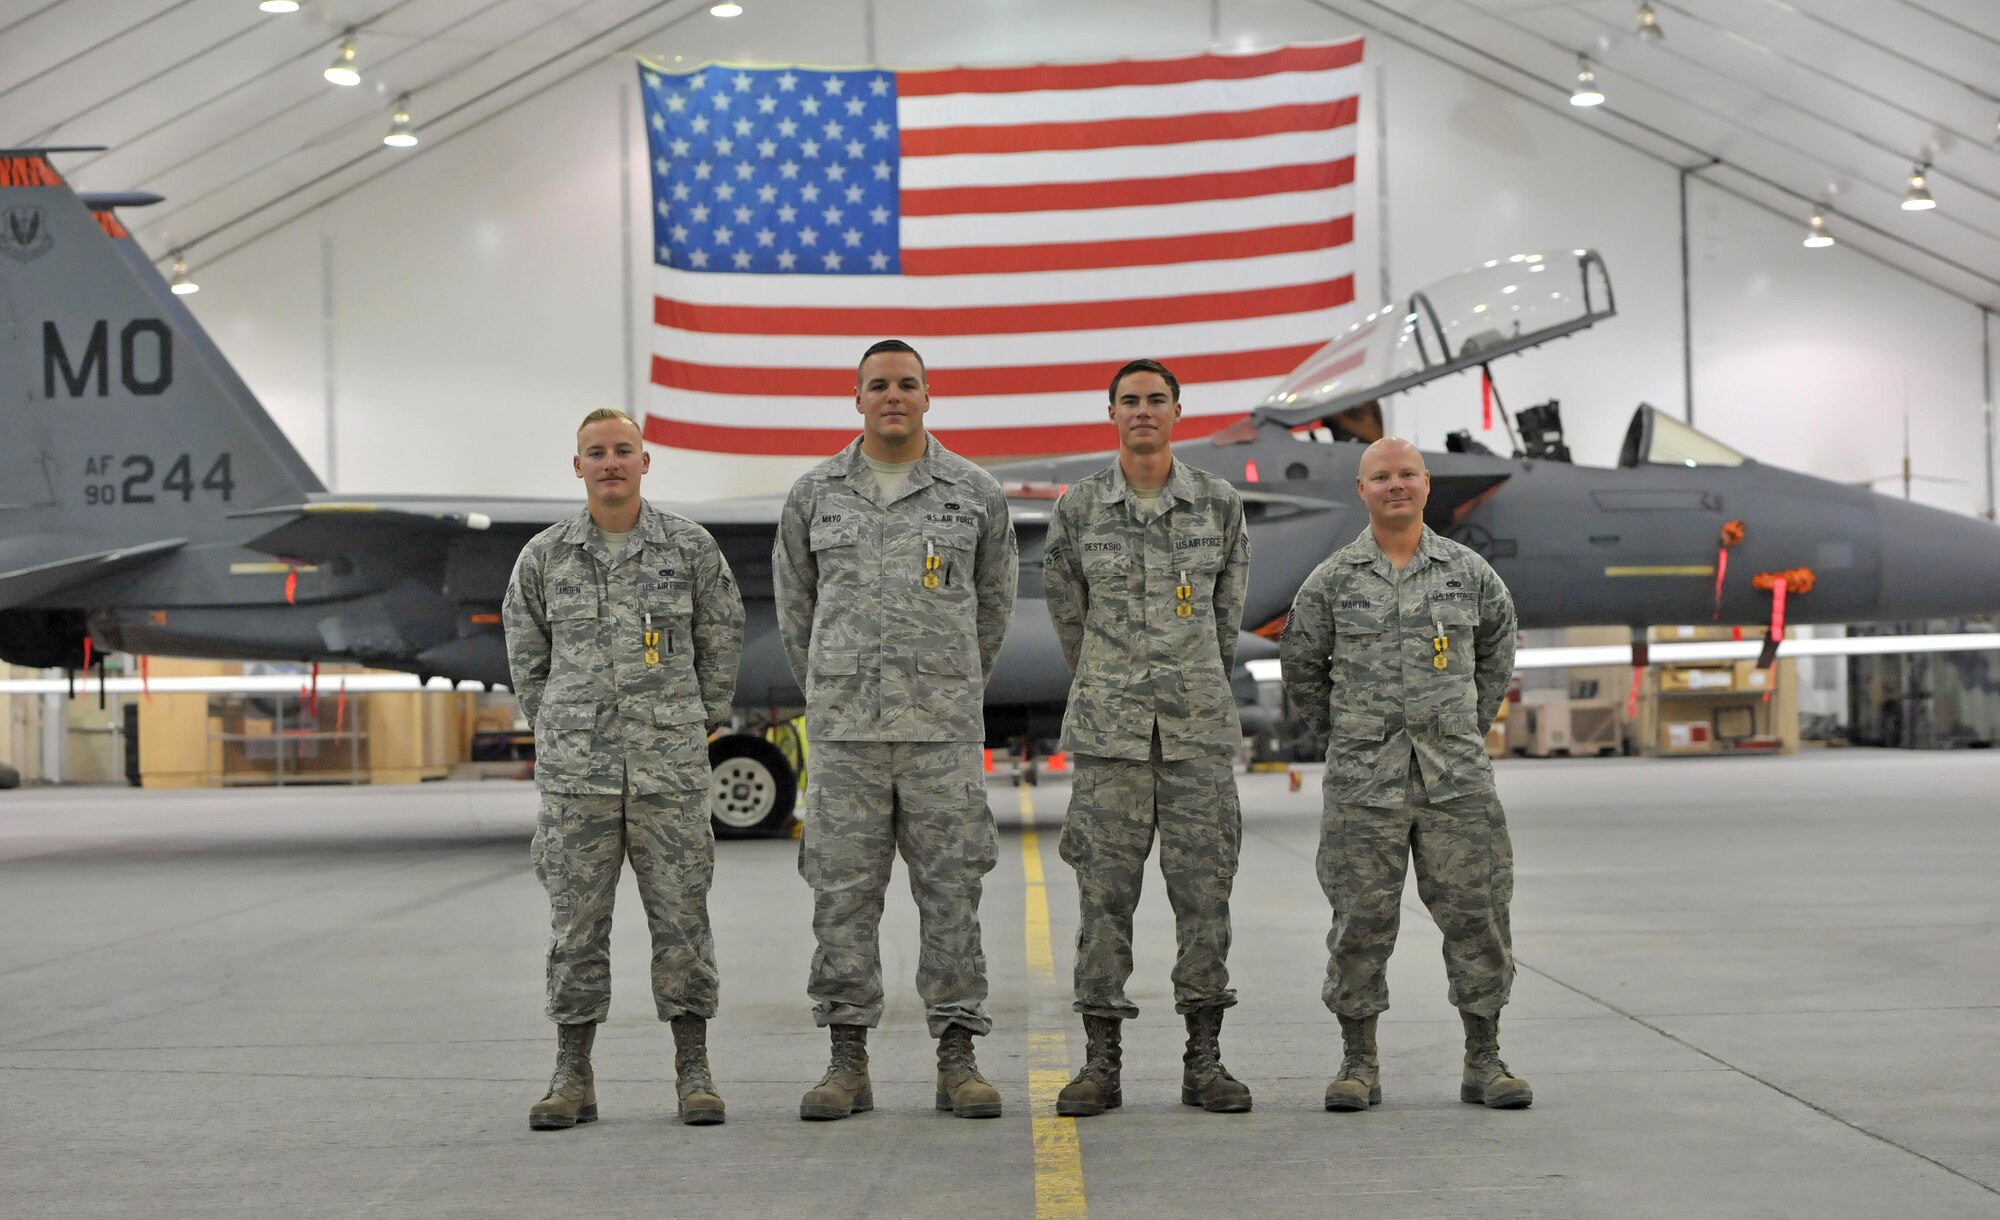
x: 342, y: 71
x: 726, y: 10
x: 1649, y: 24
x: 1817, y: 238
x: 1918, y: 197
x: 279, y: 6
x: 401, y: 134
x: 182, y: 283
x: 1586, y: 92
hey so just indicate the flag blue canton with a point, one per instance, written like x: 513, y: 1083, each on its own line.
x: 774, y: 170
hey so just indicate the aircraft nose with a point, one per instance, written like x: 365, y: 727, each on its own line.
x: 1936, y: 562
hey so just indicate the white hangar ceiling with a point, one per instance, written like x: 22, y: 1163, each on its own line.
x: 1786, y: 103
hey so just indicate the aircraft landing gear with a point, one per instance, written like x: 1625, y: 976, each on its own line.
x: 753, y: 788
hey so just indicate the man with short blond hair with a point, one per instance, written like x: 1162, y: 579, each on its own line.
x: 624, y: 628
x: 1397, y: 654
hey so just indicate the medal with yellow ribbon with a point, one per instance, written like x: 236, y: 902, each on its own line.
x: 652, y: 641
x: 932, y: 562
x: 1440, y: 646
x: 1184, y: 597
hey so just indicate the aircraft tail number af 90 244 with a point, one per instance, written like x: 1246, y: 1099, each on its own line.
x: 138, y: 479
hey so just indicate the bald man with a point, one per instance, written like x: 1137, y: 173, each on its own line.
x: 1397, y: 654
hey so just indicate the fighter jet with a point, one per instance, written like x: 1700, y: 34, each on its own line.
x: 149, y: 504
x: 1684, y: 529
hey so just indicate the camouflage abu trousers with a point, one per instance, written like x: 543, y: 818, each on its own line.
x: 580, y: 842
x: 865, y: 801
x: 1465, y: 876
x: 1115, y: 805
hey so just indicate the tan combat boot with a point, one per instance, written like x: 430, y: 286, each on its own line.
x: 845, y: 1089
x: 700, y: 1106
x: 1204, y: 1081
x: 1359, y: 1084
x: 1095, y: 1088
x: 1487, y: 1081
x: 572, y: 1095
x: 960, y: 1087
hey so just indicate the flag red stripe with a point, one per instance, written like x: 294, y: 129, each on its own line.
x: 838, y: 384
x: 1004, y: 319
x: 1124, y: 133
x: 1132, y: 192
x: 1131, y: 252
x: 1038, y: 77
x: 969, y: 442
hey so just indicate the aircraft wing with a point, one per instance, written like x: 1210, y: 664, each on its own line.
x: 322, y: 529
x: 31, y: 581
x: 1582, y: 655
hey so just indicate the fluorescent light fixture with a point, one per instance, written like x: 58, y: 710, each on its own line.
x: 1918, y: 197
x: 182, y: 283
x: 400, y: 133
x: 342, y: 71
x: 725, y: 10
x: 278, y: 6
x: 1586, y: 92
x: 1817, y: 238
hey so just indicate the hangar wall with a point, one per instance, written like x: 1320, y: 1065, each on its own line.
x: 439, y: 328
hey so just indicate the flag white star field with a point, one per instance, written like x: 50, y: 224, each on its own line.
x: 1027, y: 229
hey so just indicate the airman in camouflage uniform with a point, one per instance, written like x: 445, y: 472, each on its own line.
x: 1398, y: 653
x: 894, y: 570
x: 1146, y: 587
x: 624, y: 628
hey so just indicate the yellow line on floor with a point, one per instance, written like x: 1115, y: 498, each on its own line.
x: 1058, y: 1157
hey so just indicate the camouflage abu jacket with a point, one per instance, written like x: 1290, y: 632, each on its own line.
x: 577, y: 628
x: 882, y: 652
x: 1115, y: 587
x: 1361, y: 668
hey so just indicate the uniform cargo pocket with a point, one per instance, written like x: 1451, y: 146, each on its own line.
x: 943, y: 663
x: 1360, y: 727
x: 1457, y: 725
x: 680, y: 711
x: 563, y: 739
x: 837, y: 664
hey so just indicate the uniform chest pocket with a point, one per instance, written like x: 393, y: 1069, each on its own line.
x: 835, y: 531
x: 572, y: 610
x: 1106, y: 561
x: 1199, y: 551
x: 951, y: 546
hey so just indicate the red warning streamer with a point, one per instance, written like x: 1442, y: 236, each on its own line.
x: 1485, y: 399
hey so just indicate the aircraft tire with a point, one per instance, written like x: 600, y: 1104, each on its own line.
x: 753, y: 789
x: 9, y: 777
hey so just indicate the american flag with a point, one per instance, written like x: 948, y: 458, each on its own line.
x: 1028, y: 229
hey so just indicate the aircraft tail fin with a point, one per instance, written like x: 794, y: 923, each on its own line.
x: 120, y: 420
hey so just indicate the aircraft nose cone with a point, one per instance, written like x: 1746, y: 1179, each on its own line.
x: 1937, y: 563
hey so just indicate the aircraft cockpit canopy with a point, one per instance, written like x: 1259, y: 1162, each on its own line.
x: 1655, y: 438
x: 1493, y: 310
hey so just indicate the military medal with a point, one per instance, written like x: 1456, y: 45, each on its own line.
x: 1184, y: 597
x: 652, y: 641
x: 1440, y: 646
x: 931, y: 565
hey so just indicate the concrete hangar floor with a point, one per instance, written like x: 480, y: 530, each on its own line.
x: 1748, y: 987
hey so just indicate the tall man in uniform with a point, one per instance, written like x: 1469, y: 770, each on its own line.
x: 624, y: 628
x: 894, y: 569
x: 1145, y: 573
x: 1398, y: 653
